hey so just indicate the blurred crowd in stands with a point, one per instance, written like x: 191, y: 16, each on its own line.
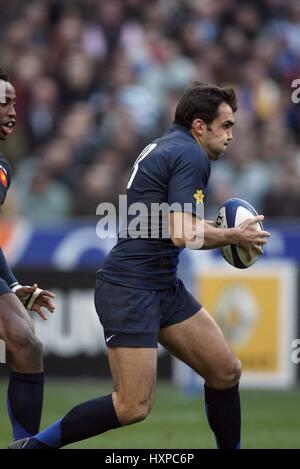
x: 96, y: 80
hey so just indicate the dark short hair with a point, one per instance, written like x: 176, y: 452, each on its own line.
x: 3, y: 75
x: 202, y: 101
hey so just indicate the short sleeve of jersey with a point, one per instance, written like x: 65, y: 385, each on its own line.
x: 189, y: 178
x: 5, y: 177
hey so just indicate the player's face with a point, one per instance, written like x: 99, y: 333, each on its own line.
x: 215, y: 137
x: 7, y: 109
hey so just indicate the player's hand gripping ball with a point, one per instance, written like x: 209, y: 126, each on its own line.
x: 231, y: 214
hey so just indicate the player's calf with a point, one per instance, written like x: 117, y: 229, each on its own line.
x: 222, y: 403
x: 25, y: 390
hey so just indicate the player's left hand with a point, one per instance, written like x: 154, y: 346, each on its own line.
x: 34, y: 299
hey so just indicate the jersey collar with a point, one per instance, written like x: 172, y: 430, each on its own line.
x: 181, y: 128
x: 178, y: 127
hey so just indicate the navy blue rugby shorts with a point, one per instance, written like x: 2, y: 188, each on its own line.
x: 4, y: 288
x: 132, y: 317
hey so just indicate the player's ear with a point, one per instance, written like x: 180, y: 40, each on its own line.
x: 199, y: 126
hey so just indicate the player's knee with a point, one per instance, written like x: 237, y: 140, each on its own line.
x: 32, y: 347
x: 226, y: 376
x: 234, y: 372
x: 133, y: 412
x: 24, y: 346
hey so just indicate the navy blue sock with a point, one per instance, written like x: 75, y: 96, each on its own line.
x: 24, y: 403
x: 84, y: 421
x: 224, y: 416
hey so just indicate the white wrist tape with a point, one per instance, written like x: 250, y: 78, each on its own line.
x: 31, y: 300
x: 15, y: 287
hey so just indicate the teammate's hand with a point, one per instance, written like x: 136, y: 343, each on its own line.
x: 43, y: 299
x: 249, y: 238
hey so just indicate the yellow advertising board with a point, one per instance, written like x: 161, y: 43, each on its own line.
x: 256, y: 310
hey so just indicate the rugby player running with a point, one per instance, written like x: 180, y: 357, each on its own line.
x: 141, y: 301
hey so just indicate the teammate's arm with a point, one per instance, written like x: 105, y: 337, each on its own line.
x: 6, y: 272
x: 32, y: 297
x: 186, y: 230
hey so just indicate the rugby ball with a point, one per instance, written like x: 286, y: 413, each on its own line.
x: 231, y: 214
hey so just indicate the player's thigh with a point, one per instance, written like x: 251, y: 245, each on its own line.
x: 199, y: 342
x: 16, y: 326
x: 134, y: 374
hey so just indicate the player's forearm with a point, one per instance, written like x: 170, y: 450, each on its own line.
x: 207, y: 236
x: 218, y: 237
x: 6, y: 272
x: 188, y: 231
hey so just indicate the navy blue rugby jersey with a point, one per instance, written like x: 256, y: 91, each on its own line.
x: 173, y: 168
x: 5, y: 178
